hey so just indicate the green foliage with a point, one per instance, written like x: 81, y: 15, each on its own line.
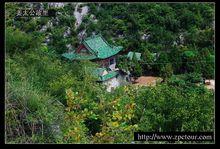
x: 166, y: 71
x: 92, y: 115
x: 124, y: 24
x: 163, y: 67
x: 44, y: 49
x: 164, y: 23
x: 35, y: 87
x: 58, y: 42
x: 18, y: 41
x: 30, y: 112
x: 136, y: 67
x: 58, y: 85
x: 168, y: 108
x: 188, y: 79
x: 194, y: 78
x: 207, y: 68
x: 51, y: 100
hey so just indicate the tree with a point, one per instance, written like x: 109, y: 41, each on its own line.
x: 167, y: 108
x: 148, y: 60
x: 18, y: 41
x: 166, y: 71
x: 52, y: 100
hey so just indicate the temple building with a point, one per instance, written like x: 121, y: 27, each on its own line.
x: 97, y: 49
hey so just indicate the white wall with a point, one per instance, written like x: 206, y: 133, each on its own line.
x: 111, y: 83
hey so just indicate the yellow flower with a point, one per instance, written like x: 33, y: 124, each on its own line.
x: 135, y: 126
x: 117, y: 116
x: 99, y: 134
x: 115, y: 124
x: 129, y: 116
x: 132, y: 105
x: 68, y: 109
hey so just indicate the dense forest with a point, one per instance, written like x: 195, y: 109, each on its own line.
x: 52, y: 100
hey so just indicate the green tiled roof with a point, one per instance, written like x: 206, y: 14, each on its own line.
x: 75, y: 56
x: 109, y: 75
x: 132, y: 54
x: 97, y: 72
x: 100, y: 47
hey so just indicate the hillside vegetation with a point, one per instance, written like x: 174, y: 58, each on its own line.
x: 52, y: 100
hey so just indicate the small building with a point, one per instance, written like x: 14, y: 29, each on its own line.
x: 132, y: 55
x: 97, y: 49
x: 210, y: 84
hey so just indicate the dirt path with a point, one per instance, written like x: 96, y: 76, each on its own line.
x: 147, y: 81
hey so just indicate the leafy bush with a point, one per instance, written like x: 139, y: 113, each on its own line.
x: 167, y: 108
x: 17, y: 41
x: 50, y: 100
x: 29, y: 112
